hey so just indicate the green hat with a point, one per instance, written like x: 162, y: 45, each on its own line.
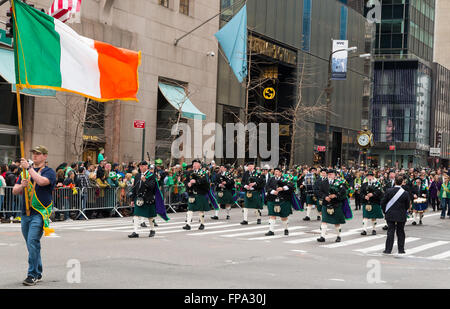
x: 158, y: 162
x: 112, y: 175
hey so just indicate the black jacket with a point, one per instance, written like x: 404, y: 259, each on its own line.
x: 376, y: 191
x: 145, y: 189
x: 274, y: 184
x: 201, y: 185
x: 397, y: 212
x: 254, y: 177
x: 219, y: 178
x: 325, y: 189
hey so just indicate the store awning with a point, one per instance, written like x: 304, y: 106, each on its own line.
x: 8, y: 73
x: 177, y: 97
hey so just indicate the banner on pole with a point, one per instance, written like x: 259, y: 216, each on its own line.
x: 339, y: 60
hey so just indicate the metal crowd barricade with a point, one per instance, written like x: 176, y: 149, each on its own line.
x: 10, y: 203
x: 68, y: 199
x: 100, y: 199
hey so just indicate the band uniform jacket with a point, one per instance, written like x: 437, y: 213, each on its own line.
x: 254, y: 177
x: 145, y: 189
x: 397, y: 212
x: 201, y: 185
x: 274, y: 184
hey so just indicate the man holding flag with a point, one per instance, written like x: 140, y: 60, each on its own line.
x: 36, y: 186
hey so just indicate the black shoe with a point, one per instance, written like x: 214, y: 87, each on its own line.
x: 306, y: 218
x: 215, y: 218
x: 39, y: 278
x: 414, y: 223
x: 374, y: 232
x: 258, y: 221
x: 269, y: 233
x: 319, y: 218
x: 244, y: 222
x: 401, y: 252
x: 143, y: 224
x: 29, y: 281
x: 420, y: 222
x: 338, y: 239
x: 386, y: 252
x: 286, y: 232
x: 187, y: 227
x: 201, y: 227
x: 134, y: 235
x: 152, y: 233
x: 385, y: 228
x: 228, y: 217
x: 442, y: 217
x: 363, y: 233
x: 321, y: 239
x: 155, y: 224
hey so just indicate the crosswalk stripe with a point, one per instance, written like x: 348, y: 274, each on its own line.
x: 130, y: 227
x: 382, y: 246
x: 257, y: 232
x: 259, y: 227
x: 160, y: 225
x: 440, y: 256
x: 426, y: 247
x: 353, y: 241
x: 196, y: 227
x: 303, y: 240
x: 278, y: 236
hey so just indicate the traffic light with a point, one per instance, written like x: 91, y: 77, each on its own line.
x: 9, y: 24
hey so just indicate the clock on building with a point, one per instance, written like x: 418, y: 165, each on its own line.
x: 364, y: 139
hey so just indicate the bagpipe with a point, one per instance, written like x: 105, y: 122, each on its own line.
x: 288, y: 180
x: 335, y: 189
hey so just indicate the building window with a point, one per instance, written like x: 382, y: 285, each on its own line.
x: 184, y: 7
x: 164, y: 3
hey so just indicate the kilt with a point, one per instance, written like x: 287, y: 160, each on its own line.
x: 146, y: 211
x: 336, y: 218
x: 227, y: 197
x: 201, y: 203
x: 255, y: 202
x: 310, y: 200
x: 286, y: 209
x: 375, y: 213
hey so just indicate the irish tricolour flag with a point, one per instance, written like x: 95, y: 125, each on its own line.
x: 50, y: 55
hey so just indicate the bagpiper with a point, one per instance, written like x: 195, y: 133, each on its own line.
x: 143, y: 199
x: 224, y: 191
x: 279, y: 195
x: 253, y: 185
x: 309, y: 181
x: 197, y: 186
x: 371, y: 195
x: 333, y: 193
x: 420, y: 202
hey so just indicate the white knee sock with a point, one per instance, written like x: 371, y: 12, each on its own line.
x: 190, y: 214
x: 308, y: 210
x: 136, y: 223
x: 272, y: 225
x: 245, y: 214
x: 228, y: 208
x: 323, y: 230
x: 258, y: 214
x: 374, y: 224
x: 152, y: 224
x: 285, y: 224
x: 202, y: 217
x: 338, y: 230
x: 415, y: 216
x: 216, y: 213
x: 365, y: 221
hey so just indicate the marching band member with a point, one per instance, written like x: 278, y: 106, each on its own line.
x: 311, y: 202
x: 253, y: 185
x: 371, y: 194
x: 420, y: 202
x: 197, y: 186
x: 224, y: 188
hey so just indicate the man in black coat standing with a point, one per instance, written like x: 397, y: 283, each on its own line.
x: 395, y: 204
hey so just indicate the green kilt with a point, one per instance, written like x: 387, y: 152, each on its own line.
x: 146, y: 210
x: 200, y: 204
x: 310, y: 200
x: 227, y: 197
x: 255, y: 202
x: 375, y: 213
x: 336, y: 218
x: 286, y: 209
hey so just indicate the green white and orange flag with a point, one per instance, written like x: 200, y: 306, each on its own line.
x: 51, y: 55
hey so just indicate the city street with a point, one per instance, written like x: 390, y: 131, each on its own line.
x: 227, y: 255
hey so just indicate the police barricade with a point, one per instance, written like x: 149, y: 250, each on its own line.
x: 174, y: 196
x: 66, y: 199
x: 10, y: 204
x: 100, y: 199
x: 123, y: 199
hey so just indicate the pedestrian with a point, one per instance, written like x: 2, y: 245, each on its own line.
x: 101, y: 156
x: 435, y: 189
x: 2, y: 194
x: 395, y: 204
x: 35, y: 220
x: 444, y: 195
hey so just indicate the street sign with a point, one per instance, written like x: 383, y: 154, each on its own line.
x: 435, y: 152
x: 321, y: 148
x: 139, y: 124
x: 392, y: 147
x: 269, y: 93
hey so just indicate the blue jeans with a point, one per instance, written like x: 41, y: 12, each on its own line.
x: 32, y: 232
x: 445, y: 204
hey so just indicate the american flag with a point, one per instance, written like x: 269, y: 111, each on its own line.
x: 66, y: 10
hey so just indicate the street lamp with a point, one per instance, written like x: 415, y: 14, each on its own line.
x: 329, y: 90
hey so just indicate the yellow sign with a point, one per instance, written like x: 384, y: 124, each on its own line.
x: 269, y: 93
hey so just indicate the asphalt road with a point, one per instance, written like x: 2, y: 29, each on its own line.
x: 98, y: 254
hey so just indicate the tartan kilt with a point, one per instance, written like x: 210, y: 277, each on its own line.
x: 286, y: 209
x: 255, y: 202
x: 200, y: 204
x: 146, y: 211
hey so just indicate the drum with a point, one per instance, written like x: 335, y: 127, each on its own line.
x: 420, y: 204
